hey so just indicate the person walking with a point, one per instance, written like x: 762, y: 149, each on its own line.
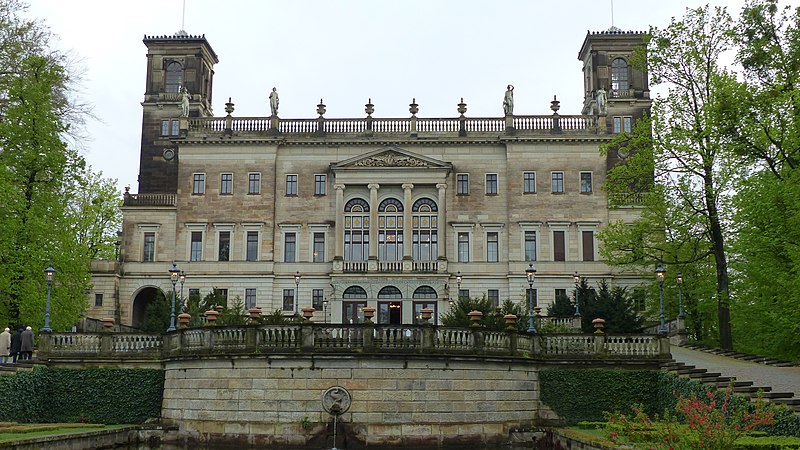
x: 5, y: 345
x: 16, y: 343
x: 26, y: 346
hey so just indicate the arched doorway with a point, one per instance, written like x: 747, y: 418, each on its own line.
x: 143, y: 299
x: 390, y: 312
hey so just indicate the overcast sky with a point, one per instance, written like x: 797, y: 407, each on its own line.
x: 343, y: 51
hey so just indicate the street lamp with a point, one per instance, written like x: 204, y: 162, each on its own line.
x: 173, y: 276
x: 459, y: 278
x: 183, y: 280
x: 325, y: 310
x: 660, y: 272
x: 49, y: 272
x: 530, y: 272
x: 296, y: 291
x: 679, y: 280
x: 577, y: 278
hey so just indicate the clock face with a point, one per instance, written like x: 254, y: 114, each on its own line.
x: 169, y: 154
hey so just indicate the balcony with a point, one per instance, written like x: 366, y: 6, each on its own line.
x: 148, y: 199
x: 391, y: 266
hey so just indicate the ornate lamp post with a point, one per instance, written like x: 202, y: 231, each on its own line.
x: 577, y: 278
x: 530, y: 272
x: 173, y: 276
x: 679, y: 280
x: 296, y: 291
x: 325, y: 310
x: 48, y: 273
x: 459, y: 278
x: 183, y: 280
x: 660, y: 272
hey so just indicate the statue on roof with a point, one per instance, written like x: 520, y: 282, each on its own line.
x: 508, y: 101
x: 185, y: 97
x: 602, y: 101
x: 273, y: 102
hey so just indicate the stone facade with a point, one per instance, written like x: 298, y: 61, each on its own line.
x: 370, y: 211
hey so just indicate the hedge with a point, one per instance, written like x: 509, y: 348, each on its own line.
x: 107, y: 396
x: 587, y: 394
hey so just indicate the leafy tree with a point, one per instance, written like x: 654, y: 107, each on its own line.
x: 95, y: 209
x: 235, y: 313
x: 613, y: 304
x: 458, y: 315
x: 683, y: 152
x: 157, y: 315
x: 561, y: 307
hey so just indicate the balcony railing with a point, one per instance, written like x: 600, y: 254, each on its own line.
x: 368, y: 337
x: 148, y: 199
x: 395, y: 126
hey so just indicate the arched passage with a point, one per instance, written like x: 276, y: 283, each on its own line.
x: 143, y: 299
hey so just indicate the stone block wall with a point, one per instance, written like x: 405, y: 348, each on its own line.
x: 275, y: 400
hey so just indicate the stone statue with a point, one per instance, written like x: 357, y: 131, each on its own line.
x: 508, y: 101
x: 273, y: 102
x: 185, y: 102
x: 602, y: 101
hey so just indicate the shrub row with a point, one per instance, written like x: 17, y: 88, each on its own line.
x: 107, y: 396
x: 586, y: 394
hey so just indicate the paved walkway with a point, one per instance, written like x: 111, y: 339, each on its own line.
x: 780, y: 379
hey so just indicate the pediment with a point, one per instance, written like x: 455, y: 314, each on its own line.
x: 391, y: 156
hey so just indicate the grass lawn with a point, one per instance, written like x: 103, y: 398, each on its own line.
x: 10, y: 431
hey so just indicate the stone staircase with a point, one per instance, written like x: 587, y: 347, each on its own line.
x: 12, y: 368
x: 744, y: 356
x: 714, y: 379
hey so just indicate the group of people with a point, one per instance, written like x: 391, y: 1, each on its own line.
x: 17, y: 346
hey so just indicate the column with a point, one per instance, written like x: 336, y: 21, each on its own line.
x: 407, y: 228
x: 373, y: 221
x: 339, y: 229
x: 440, y: 222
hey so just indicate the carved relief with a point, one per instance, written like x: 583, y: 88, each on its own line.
x: 390, y: 159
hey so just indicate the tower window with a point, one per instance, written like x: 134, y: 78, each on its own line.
x: 174, y: 77
x: 620, y: 80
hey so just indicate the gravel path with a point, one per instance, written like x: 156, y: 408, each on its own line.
x: 780, y: 379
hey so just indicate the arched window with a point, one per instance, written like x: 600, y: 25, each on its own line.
x: 354, y: 292
x: 425, y: 224
x: 356, y: 230
x: 425, y: 292
x: 390, y: 230
x: 174, y: 79
x: 620, y: 79
x: 390, y: 292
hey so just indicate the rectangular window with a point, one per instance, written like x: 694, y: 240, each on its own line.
x: 587, y: 238
x: 559, y: 249
x: 254, y: 183
x: 221, y: 292
x: 463, y: 247
x: 586, y: 182
x: 494, y: 297
x: 319, y: 247
x: 288, y: 299
x: 561, y: 293
x: 289, y: 247
x: 224, y: 246
x: 491, y: 184
x: 320, y: 184
x: 530, y: 246
x: 194, y: 294
x: 149, y: 247
x: 529, y: 183
x: 316, y: 299
x: 252, y: 246
x: 558, y: 182
x: 175, y: 128
x: 463, y: 293
x: 199, y: 184
x: 98, y: 299
x: 622, y: 124
x: 291, y: 184
x: 462, y: 184
x: 197, y: 246
x: 492, y: 247
x: 249, y: 298
x: 165, y: 127
x: 170, y: 128
x: 226, y: 184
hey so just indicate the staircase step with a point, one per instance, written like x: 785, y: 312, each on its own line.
x: 702, y: 375
x: 690, y: 370
x: 791, y: 402
x: 773, y: 395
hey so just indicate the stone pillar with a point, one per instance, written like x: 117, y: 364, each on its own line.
x: 407, y: 228
x: 441, y: 247
x: 373, y: 221
x: 338, y: 253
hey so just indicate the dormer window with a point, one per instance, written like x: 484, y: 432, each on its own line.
x: 174, y: 77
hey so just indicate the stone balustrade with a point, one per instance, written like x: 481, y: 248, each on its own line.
x: 368, y: 337
x: 148, y: 199
x: 412, y: 126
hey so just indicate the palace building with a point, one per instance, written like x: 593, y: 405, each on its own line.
x: 340, y: 213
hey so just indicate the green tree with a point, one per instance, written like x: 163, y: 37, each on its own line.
x: 157, y: 315
x: 682, y: 152
x: 95, y: 209
x: 561, y: 307
x: 613, y: 304
x: 458, y: 314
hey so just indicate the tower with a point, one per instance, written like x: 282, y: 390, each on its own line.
x: 606, y: 57
x: 174, y: 63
